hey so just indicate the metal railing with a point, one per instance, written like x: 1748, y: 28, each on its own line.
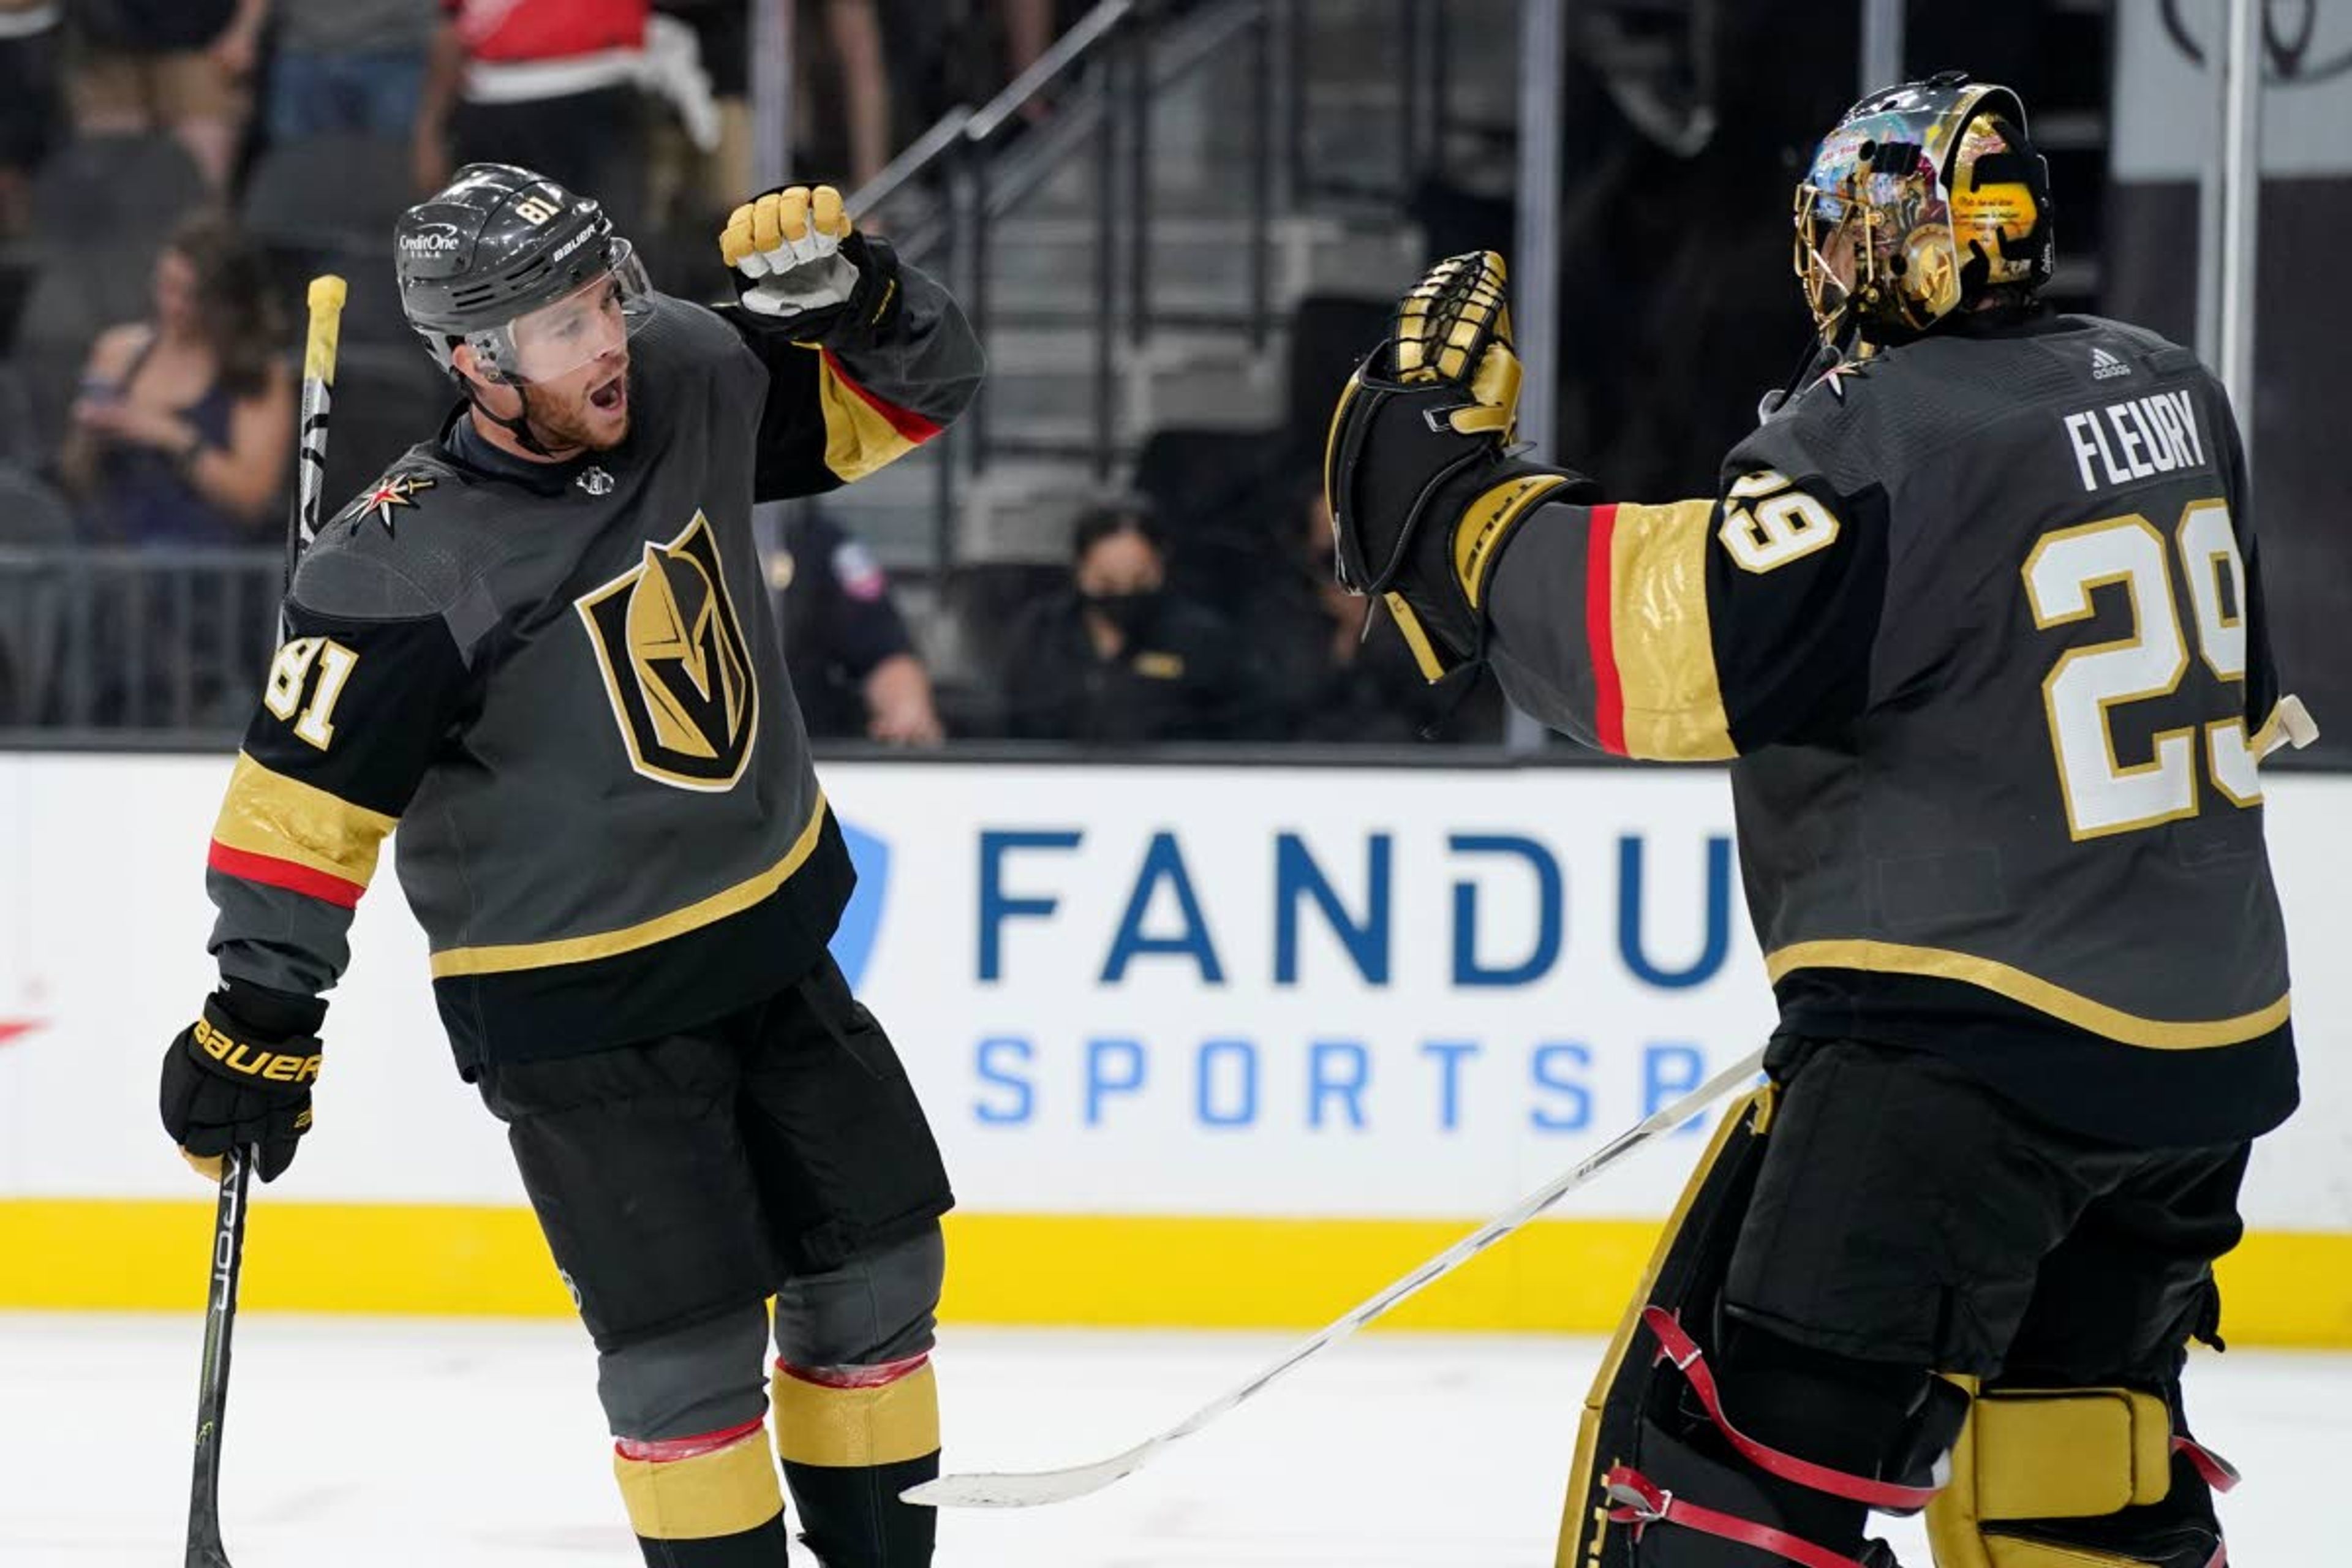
x: 98, y: 646
x: 1103, y: 77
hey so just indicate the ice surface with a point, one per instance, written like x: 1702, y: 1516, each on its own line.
x: 366, y: 1443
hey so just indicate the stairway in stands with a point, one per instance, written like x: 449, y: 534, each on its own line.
x: 1196, y: 363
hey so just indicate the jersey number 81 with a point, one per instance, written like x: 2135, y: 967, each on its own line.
x: 2103, y: 794
x: 290, y: 676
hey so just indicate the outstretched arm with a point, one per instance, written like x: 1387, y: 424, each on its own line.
x: 1688, y: 631
x: 1695, y: 630
x: 867, y: 358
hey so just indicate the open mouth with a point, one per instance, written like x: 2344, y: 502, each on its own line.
x: 609, y: 396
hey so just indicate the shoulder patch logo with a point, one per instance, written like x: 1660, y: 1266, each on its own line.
x: 676, y: 665
x: 391, y: 491
x: 2106, y: 366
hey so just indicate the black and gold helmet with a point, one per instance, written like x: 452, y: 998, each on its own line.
x: 497, y: 245
x: 1926, y: 199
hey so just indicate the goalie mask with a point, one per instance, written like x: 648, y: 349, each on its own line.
x: 1926, y: 199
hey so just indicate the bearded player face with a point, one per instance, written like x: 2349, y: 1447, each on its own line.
x: 570, y: 374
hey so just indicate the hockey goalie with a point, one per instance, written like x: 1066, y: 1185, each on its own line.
x: 1974, y: 617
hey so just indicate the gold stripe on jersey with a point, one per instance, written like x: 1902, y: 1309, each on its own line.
x: 266, y: 813
x: 1659, y: 633
x: 506, y: 957
x: 859, y: 437
x: 2030, y: 990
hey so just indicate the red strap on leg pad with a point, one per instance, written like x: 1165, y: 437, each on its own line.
x: 1675, y: 1345
x: 1642, y: 1503
x: 2216, y: 1471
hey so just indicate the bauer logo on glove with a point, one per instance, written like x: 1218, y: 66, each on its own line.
x: 1422, y: 497
x: 795, y: 258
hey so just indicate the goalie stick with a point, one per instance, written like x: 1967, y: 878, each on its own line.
x: 1031, y: 1487
x: 204, y: 1548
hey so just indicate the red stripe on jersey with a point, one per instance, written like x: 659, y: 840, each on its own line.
x: 1608, y: 690
x: 906, y: 421
x: 284, y: 874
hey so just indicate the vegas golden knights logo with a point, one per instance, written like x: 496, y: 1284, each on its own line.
x: 675, y: 663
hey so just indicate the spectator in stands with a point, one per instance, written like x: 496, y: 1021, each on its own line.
x: 354, y: 66
x: 549, y: 84
x: 854, y: 667
x: 186, y: 424
x: 29, y: 99
x: 180, y: 66
x: 1115, y: 657
x: 1328, y: 681
x: 698, y: 137
x: 1028, y: 30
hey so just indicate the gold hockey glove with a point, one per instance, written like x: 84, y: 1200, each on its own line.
x: 795, y: 256
x: 1422, y: 496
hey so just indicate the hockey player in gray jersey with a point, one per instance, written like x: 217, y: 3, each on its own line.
x: 540, y: 647
x: 1976, y: 619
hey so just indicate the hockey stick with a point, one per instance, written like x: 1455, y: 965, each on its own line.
x: 204, y: 1549
x: 1028, y: 1488
x: 320, y: 345
x: 2294, y: 726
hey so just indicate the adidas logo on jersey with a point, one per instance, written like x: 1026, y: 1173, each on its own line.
x: 2106, y: 366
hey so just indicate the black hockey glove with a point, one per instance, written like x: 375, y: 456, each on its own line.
x: 796, y: 260
x: 241, y: 1074
x: 1422, y: 497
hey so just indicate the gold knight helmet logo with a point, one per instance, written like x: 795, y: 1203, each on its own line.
x: 676, y: 664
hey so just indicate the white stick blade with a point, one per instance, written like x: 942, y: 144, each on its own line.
x: 1024, y: 1489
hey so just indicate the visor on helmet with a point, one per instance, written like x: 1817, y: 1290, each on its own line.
x: 594, y: 319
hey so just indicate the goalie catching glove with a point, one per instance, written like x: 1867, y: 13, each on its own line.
x: 796, y: 258
x: 1423, y: 491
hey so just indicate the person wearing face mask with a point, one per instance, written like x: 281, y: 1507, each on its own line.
x: 1117, y: 658
x: 1326, y: 681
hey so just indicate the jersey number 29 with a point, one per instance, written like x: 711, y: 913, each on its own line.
x: 2103, y: 794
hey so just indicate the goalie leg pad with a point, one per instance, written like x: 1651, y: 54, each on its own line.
x: 2077, y: 1477
x: 1775, y: 1454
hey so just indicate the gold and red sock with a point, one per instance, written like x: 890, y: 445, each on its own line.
x: 704, y: 1502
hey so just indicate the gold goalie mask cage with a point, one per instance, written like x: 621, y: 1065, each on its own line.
x: 1926, y: 199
